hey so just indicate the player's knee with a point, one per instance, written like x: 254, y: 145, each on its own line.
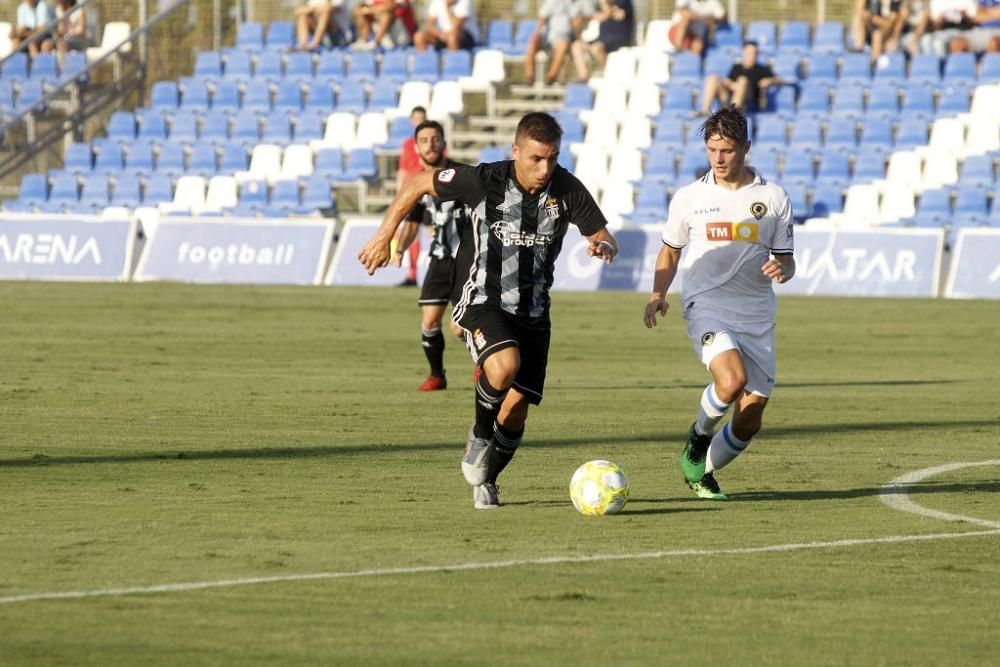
x: 730, y: 386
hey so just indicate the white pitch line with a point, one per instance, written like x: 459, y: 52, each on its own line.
x: 892, y: 493
x: 424, y: 569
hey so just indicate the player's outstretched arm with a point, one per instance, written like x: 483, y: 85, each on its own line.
x: 666, y: 268
x: 603, y: 245
x: 780, y: 269
x: 377, y: 252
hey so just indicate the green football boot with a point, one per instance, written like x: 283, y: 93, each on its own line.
x: 693, y: 456
x: 708, y: 488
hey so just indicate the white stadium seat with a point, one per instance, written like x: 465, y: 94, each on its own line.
x: 297, y: 161
x: 341, y: 127
x: 372, y: 130
x: 114, y: 34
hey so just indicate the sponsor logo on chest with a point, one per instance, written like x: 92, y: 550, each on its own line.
x: 748, y: 232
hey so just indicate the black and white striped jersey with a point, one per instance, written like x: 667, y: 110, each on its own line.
x: 447, y: 219
x: 516, y: 235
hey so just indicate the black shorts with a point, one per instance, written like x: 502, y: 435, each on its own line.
x: 438, y: 283
x: 491, y: 330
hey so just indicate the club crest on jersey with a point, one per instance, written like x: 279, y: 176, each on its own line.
x: 708, y: 339
x: 758, y: 209
x: 552, y: 208
x: 446, y: 175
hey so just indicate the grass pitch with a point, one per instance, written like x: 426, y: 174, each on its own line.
x: 164, y: 434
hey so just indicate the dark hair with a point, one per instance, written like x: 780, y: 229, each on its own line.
x: 540, y: 127
x: 752, y: 43
x: 433, y: 124
x: 729, y: 123
x: 418, y: 109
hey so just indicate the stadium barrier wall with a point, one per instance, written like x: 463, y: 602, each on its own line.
x: 292, y: 252
x: 345, y: 269
x: 975, y: 265
x: 66, y: 248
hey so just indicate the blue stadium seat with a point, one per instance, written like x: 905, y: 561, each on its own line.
x: 351, y: 99
x: 250, y: 36
x: 226, y: 96
x: 826, y: 199
x: 849, y: 101
x: 308, y: 127
x: 762, y: 32
x: 194, y: 96
x: 677, y: 97
x: 108, y: 159
x: 170, y: 159
x: 650, y: 204
x: 794, y: 34
x: 215, y: 127
x: 320, y: 96
x: 138, y: 158
x: 362, y: 66
x: 299, y: 67
x: 566, y: 160
x: 277, y: 129
x: 328, y: 162
x: 937, y: 202
x: 578, y: 97
x: 891, y: 69
x: 729, y: 35
x: 246, y: 127
x: 925, y: 68
x: 34, y: 189
x: 285, y: 195
x: 842, y: 135
x: 829, y: 37
x: 522, y: 33
x: 685, y: 67
x: 126, y: 191
x: 64, y: 189
x: 203, y: 160
x: 834, y: 168
x: 788, y: 66
x: 95, y: 191
x: 719, y: 62
x: 822, y: 67
x: 234, y: 158
x: 238, y: 67
x: 43, y: 66
x: 31, y: 95
x: 6, y: 96
x: 15, y: 67
x: 316, y: 195
x: 572, y: 129
x: 960, y: 66
x: 772, y: 130
x: 257, y: 97
x: 669, y: 133
x: 78, y: 159
x: 953, y: 97
x: 989, y: 68
x: 781, y: 99
x: 806, y: 134
x: 660, y: 167
x: 208, y: 65
x: 394, y: 66
x: 400, y: 128
x: 798, y: 195
x: 883, y: 101
x: 798, y: 166
x: 157, y: 190
x: 694, y: 163
x: 856, y: 67
x: 492, y: 154
x: 184, y: 127
x: 876, y: 131
x: 268, y: 66
x: 814, y: 97
x: 288, y: 97
x: 331, y: 66
x: 383, y: 96
x: 765, y: 162
x: 500, y: 35
x: 918, y: 102
x: 152, y: 126
x: 455, y: 64
x: 360, y: 164
x: 978, y: 170
x: 164, y: 95
x: 911, y: 132
x: 280, y: 36
x: 426, y: 67
x: 74, y: 63
x: 970, y: 200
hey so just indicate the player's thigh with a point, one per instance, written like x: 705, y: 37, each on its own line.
x: 759, y: 362
x: 491, y: 333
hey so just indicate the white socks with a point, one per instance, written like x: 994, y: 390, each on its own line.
x: 711, y: 411
x: 724, y: 448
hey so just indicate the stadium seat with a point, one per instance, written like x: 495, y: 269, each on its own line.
x: 970, y: 200
x: 253, y: 193
x: 360, y: 164
x: 685, y: 68
x: 265, y: 164
x: 788, y: 66
x: 578, y: 96
x: 95, y: 191
x: 765, y: 162
x: 947, y: 137
x: 912, y: 132
x: 351, y: 99
x: 280, y: 36
x: 925, y: 68
x: 108, y: 159
x: 814, y: 97
x: 798, y: 195
x: 362, y: 67
x: 834, y: 168
x: 806, y: 134
x: 184, y: 127
x: 237, y: 67
x: 298, y: 68
x: 978, y: 170
x: 308, y: 128
x: 328, y: 163
x: 989, y: 68
x: 636, y: 132
x: 694, y: 163
x: 74, y: 64
x: 905, y: 169
x: 157, y: 190
x: 339, y: 131
x: 250, y: 36
x: 170, y: 159
x: 413, y: 94
x: 78, y: 159
x: 225, y: 96
x: 617, y: 200
x: 138, y: 158
x: 653, y: 67
x: 848, y: 101
x: 960, y: 66
x: 296, y: 162
x: 876, y: 131
x: 320, y: 96
x: 644, y: 99
x: 883, y: 101
x: 234, y: 159
x: 492, y: 154
x: 222, y: 194
x: 214, y: 127
x: 15, y: 67
x: 257, y: 97
x: 650, y: 204
x: 856, y: 67
x: 822, y: 67
x: 194, y: 96
x: 522, y: 33
x: 383, y: 96
x: 953, y: 98
x: 44, y: 67
x: 64, y: 189
x: 372, y: 130
x: 572, y: 130
x: 126, y: 191
x: 869, y: 164
x: 113, y: 35
x: 626, y: 164
x: 890, y: 69
x: 288, y: 97
x: 203, y: 160
x: 455, y: 65
x: 602, y: 131
x: 829, y: 37
x: 798, y: 166
x: 31, y: 96
x: 592, y: 167
x: 277, y: 128
x: 937, y: 202
x: 728, y: 34
x: 246, y: 127
x: 34, y: 189
x: 677, y: 98
x: 189, y: 195
x: 794, y: 35
x: 861, y: 206
x: 500, y: 35
x: 897, y: 204
x: 331, y: 66
x: 285, y: 195
x: 661, y: 167
x: 268, y: 67
x: 772, y: 130
x: 762, y: 32
x: 163, y: 95
x: 426, y: 67
x: 842, y: 135
x: 208, y: 65
x: 316, y: 195
x: 152, y: 126
x: 6, y: 96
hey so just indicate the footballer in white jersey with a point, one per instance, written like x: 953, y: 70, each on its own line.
x: 737, y: 229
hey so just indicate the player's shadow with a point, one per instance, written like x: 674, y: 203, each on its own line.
x: 782, y: 385
x: 629, y: 509
x: 920, y: 488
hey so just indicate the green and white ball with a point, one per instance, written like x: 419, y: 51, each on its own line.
x: 598, y: 488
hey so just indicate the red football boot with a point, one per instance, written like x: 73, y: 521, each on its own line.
x: 434, y: 383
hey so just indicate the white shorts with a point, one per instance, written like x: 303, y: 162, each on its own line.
x: 710, y: 337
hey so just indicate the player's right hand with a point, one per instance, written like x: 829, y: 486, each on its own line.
x: 375, y: 254
x: 657, y: 304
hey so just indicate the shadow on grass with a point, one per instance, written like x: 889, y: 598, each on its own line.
x: 779, y: 384
x: 673, y: 440
x: 629, y: 509
x: 846, y: 494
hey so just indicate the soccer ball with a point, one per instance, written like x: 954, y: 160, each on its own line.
x: 598, y: 488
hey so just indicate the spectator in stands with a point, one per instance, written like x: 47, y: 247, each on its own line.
x: 878, y: 23
x: 410, y: 165
x: 320, y: 20
x: 616, y: 28
x: 744, y: 85
x: 692, y: 27
x: 946, y: 19
x: 32, y: 15
x: 985, y: 35
x: 915, y: 19
x: 72, y: 28
x: 379, y: 16
x: 451, y: 24
x: 558, y: 22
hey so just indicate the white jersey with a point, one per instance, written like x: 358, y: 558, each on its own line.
x: 730, y: 235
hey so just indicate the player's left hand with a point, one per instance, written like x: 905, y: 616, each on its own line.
x: 775, y: 271
x: 603, y: 250
x: 375, y: 254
